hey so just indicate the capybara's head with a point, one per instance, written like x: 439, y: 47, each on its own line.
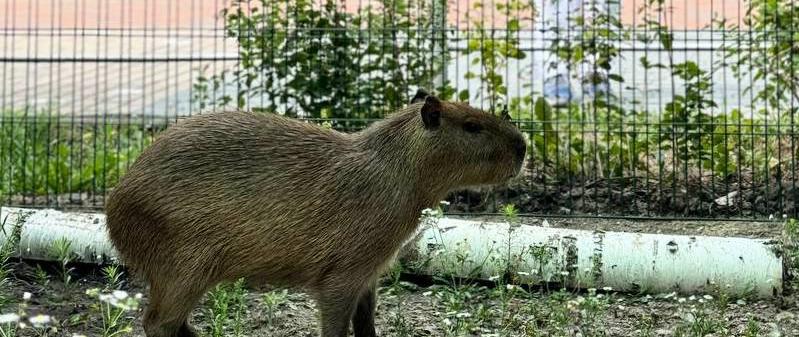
x: 470, y: 145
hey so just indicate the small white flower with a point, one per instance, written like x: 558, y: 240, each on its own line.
x: 9, y: 318
x: 670, y: 295
x: 39, y: 320
x: 681, y: 300
x: 510, y: 286
x: 701, y: 300
x: 564, y: 273
x: 600, y: 296
x: 120, y: 295
x: 784, y: 216
x: 427, y: 293
x: 523, y: 273
x: 607, y: 289
x: 708, y: 297
x: 444, y: 202
x: 493, y: 278
x: 591, y: 290
x: 692, y: 298
x: 138, y: 296
x: 463, y: 315
x: 107, y: 298
x: 771, y: 216
x: 621, y: 307
x: 26, y: 296
x: 447, y: 321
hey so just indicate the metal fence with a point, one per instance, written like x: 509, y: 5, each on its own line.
x: 644, y: 108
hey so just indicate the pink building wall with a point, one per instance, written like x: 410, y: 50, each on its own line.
x: 685, y: 14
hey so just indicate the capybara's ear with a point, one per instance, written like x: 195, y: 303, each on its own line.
x: 431, y: 112
x: 420, y: 96
x: 505, y: 115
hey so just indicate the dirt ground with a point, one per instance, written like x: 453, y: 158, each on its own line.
x: 450, y: 309
x: 423, y: 311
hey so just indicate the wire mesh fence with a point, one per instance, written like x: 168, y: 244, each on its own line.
x: 645, y: 108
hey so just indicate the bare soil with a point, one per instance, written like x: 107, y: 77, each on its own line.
x: 406, y: 309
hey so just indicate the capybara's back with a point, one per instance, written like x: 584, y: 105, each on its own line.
x: 216, y: 176
x: 232, y: 195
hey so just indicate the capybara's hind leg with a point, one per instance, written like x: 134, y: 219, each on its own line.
x: 169, y: 308
x: 363, y: 322
x: 337, y: 307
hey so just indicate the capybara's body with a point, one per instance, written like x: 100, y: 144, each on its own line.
x: 223, y: 196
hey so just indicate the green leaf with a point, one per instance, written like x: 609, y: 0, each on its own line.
x: 615, y: 77
x: 463, y: 95
x: 666, y: 40
x: 543, y: 111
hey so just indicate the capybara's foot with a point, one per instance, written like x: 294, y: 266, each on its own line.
x: 186, y: 330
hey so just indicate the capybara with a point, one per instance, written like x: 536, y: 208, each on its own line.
x: 278, y: 201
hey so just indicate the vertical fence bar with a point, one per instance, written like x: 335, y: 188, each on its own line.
x: 794, y: 193
x: 29, y: 114
x: 55, y: 26
x: 7, y: 108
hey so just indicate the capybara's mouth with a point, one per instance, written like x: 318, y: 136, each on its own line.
x: 514, y: 172
x: 518, y: 164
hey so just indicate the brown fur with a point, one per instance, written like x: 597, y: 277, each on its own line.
x: 278, y: 201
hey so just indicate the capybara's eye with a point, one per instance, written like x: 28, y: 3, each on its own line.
x: 472, y: 127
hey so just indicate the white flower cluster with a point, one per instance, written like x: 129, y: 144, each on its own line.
x: 117, y: 298
x: 37, y: 321
x: 19, y: 320
x: 429, y: 212
x: 6, y: 319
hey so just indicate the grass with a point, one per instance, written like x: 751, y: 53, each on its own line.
x: 272, y: 301
x: 61, y: 250
x: 112, y: 307
x: 227, y: 309
x: 7, y: 249
x: 46, y: 156
x: 790, y: 239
